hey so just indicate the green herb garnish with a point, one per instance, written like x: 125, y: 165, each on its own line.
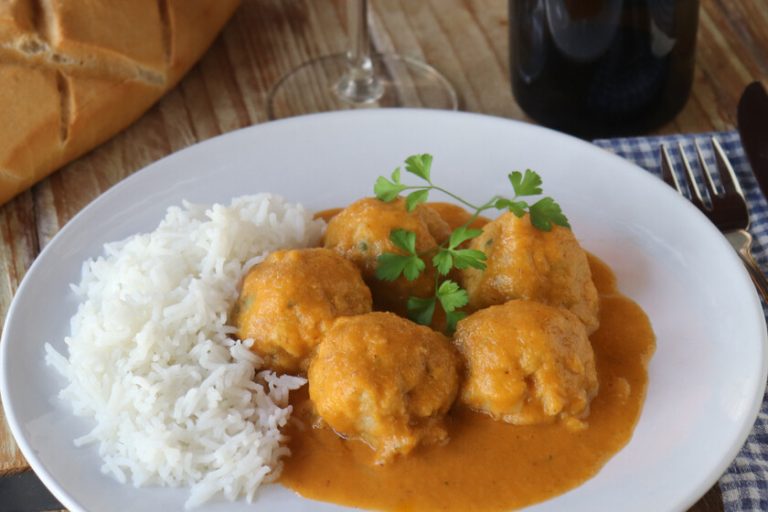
x: 390, y: 266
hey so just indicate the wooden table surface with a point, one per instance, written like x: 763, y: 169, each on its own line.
x: 227, y: 90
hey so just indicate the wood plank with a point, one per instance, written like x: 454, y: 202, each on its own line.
x: 17, y: 250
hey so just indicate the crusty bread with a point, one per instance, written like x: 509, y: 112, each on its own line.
x: 73, y: 73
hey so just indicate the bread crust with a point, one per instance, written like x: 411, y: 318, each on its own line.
x: 56, y: 109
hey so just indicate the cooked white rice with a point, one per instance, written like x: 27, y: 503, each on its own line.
x: 151, y: 360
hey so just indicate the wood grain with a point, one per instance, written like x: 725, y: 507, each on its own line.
x: 227, y: 90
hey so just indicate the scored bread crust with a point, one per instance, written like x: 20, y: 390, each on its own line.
x: 67, y: 87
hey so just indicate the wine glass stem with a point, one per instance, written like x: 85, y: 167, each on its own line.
x: 359, y: 84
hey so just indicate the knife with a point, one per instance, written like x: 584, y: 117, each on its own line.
x: 24, y: 492
x: 752, y: 118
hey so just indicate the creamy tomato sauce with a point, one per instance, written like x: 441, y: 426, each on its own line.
x: 454, y: 215
x: 489, y: 465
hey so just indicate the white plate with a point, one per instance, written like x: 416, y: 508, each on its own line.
x: 706, y: 378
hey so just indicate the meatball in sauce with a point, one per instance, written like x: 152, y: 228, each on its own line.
x: 524, y: 262
x: 385, y: 380
x: 360, y: 233
x: 291, y: 298
x: 527, y: 363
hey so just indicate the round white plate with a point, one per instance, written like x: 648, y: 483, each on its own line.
x: 706, y: 378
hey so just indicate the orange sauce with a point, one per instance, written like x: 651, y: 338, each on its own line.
x: 456, y: 216
x: 327, y: 215
x: 489, y: 465
x: 452, y: 214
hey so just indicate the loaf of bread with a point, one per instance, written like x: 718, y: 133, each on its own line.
x: 73, y: 73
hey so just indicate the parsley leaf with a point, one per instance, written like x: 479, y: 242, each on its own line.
x: 415, y: 198
x: 404, y: 239
x: 461, y: 235
x: 528, y: 184
x: 464, y: 258
x: 443, y: 261
x: 451, y: 295
x: 421, y: 310
x: 420, y: 165
x: 386, y: 190
x: 390, y: 266
x: 414, y: 267
x: 546, y: 212
x: 516, y: 207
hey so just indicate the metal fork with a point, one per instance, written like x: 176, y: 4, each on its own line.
x: 728, y: 211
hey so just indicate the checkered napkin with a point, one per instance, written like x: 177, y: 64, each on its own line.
x: 744, y: 485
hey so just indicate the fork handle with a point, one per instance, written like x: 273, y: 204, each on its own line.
x: 758, y: 278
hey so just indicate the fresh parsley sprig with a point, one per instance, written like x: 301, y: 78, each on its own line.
x: 389, y: 265
x: 544, y: 213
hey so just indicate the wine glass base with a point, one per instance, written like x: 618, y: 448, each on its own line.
x: 404, y: 82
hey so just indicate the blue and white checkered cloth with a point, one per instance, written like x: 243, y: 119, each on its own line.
x: 744, y: 485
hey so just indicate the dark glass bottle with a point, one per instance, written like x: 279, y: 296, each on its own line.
x: 602, y: 67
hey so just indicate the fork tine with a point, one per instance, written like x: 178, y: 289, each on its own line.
x: 708, y: 181
x: 727, y: 175
x: 690, y: 179
x: 667, y: 171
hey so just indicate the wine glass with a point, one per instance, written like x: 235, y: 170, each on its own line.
x: 359, y: 79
